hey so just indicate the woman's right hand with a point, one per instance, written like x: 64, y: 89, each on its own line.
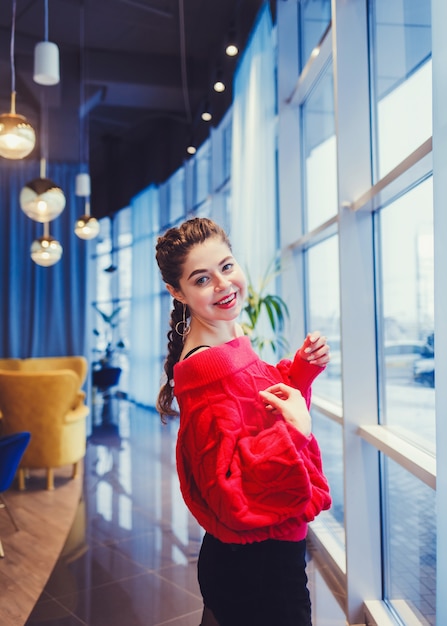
x: 288, y: 402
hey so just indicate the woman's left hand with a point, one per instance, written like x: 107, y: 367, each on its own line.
x: 315, y: 349
x: 288, y: 402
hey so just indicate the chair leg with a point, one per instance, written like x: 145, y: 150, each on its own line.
x: 75, y: 469
x: 50, y: 479
x: 21, y: 479
x: 3, y: 505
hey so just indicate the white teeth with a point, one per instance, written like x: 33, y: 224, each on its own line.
x: 226, y: 300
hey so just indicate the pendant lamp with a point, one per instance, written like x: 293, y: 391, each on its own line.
x: 46, y: 58
x: 86, y: 226
x: 17, y: 136
x: 41, y: 199
x: 46, y: 63
x: 46, y: 250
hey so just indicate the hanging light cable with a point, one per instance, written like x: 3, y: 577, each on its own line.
x: 17, y: 136
x: 46, y: 58
x: 86, y: 226
x: 183, y: 62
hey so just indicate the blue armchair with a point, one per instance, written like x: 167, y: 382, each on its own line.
x: 12, y: 448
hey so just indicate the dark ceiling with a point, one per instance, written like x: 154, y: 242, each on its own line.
x: 134, y: 76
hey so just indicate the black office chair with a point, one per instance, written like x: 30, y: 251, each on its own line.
x: 12, y: 448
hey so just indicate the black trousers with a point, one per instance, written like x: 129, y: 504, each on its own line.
x: 258, y: 584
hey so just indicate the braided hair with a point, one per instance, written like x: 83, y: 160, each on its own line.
x: 172, y: 250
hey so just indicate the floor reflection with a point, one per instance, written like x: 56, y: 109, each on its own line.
x: 130, y: 558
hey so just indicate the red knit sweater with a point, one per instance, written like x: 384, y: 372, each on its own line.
x: 245, y: 474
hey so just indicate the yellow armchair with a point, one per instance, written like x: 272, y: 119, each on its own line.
x: 49, y: 405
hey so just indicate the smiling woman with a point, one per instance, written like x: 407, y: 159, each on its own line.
x: 249, y: 466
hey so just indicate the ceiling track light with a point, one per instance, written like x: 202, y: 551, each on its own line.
x: 219, y: 85
x: 190, y: 148
x: 206, y: 114
x: 17, y: 136
x: 231, y: 46
x: 231, y: 50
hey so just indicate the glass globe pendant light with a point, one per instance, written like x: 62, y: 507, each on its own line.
x: 41, y: 199
x: 87, y: 226
x: 46, y: 250
x: 17, y: 136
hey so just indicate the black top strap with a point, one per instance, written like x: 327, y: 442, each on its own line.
x: 194, y: 350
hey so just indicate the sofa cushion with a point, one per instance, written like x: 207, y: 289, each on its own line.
x: 10, y: 364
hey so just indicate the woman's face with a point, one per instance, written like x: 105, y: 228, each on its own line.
x: 212, y: 283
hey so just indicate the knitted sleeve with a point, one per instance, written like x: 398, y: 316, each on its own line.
x: 299, y: 374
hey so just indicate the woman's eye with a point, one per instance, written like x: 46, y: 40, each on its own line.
x: 227, y: 266
x: 201, y: 281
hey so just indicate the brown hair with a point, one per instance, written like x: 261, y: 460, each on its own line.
x: 172, y: 250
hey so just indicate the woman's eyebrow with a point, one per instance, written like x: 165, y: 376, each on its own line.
x: 196, y: 272
x: 202, y: 271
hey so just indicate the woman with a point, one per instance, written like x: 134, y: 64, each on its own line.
x: 249, y: 467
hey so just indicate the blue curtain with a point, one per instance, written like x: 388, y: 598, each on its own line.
x: 42, y: 309
x: 253, y: 163
x: 146, y: 346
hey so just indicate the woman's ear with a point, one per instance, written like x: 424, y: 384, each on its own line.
x: 175, y: 293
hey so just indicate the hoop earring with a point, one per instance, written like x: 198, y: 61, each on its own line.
x: 183, y: 325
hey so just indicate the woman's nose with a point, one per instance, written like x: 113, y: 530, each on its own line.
x: 221, y: 282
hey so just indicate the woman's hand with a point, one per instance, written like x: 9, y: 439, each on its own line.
x: 315, y: 349
x: 288, y: 402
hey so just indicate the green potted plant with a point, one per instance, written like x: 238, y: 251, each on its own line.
x: 260, y: 305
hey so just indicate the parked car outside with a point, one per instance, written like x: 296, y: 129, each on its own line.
x: 424, y: 371
x: 400, y: 358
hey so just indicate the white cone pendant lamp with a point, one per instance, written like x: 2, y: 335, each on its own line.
x: 46, y: 63
x: 46, y: 59
x: 83, y: 185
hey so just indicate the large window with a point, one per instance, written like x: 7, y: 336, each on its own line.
x: 410, y: 545
x: 324, y: 311
x: 319, y: 145
x: 113, y: 288
x: 314, y: 18
x: 401, y: 62
x: 406, y: 315
x: 329, y: 435
x: 365, y: 262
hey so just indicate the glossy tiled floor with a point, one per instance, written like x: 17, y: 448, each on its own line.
x: 130, y: 559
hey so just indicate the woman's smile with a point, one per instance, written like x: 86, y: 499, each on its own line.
x: 227, y: 302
